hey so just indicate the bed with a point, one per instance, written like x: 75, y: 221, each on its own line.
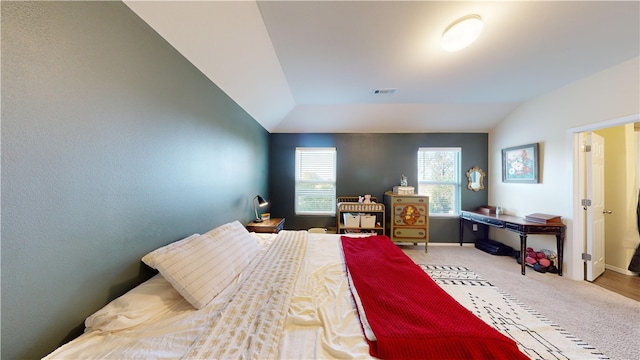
x: 295, y: 295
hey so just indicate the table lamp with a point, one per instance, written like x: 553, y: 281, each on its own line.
x: 258, y: 201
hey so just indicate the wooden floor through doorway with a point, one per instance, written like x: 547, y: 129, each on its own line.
x: 625, y: 285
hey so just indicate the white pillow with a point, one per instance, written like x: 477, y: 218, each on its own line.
x: 140, y: 304
x: 200, y: 267
x: 236, y: 243
x: 151, y: 258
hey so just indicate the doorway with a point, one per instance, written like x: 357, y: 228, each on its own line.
x: 622, y: 244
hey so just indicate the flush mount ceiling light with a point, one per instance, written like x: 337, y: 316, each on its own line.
x: 461, y: 33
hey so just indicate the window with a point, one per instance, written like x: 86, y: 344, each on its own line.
x: 315, y: 192
x: 439, y: 178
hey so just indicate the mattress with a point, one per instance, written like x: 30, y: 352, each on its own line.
x: 154, y: 322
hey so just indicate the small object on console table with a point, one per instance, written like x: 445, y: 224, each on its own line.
x: 543, y: 218
x: 273, y: 225
x: 487, y: 210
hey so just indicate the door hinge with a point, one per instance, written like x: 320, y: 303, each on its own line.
x: 585, y: 202
x: 587, y: 148
x: 586, y: 257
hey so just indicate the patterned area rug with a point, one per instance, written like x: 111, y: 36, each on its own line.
x: 535, y: 335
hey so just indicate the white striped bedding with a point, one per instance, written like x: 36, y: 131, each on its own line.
x: 320, y: 320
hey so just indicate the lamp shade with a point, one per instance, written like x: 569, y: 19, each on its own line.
x: 461, y: 33
x: 258, y: 201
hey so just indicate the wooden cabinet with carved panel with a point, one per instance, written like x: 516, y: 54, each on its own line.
x: 407, y: 218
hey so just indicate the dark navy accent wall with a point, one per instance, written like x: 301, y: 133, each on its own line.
x: 372, y: 164
x: 112, y: 145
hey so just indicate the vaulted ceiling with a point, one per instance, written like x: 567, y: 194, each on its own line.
x: 312, y: 66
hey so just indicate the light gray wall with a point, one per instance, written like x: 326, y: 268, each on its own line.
x: 551, y: 120
x: 112, y: 145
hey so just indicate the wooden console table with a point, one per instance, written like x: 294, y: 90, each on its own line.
x: 522, y: 227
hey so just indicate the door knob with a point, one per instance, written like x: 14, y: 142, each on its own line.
x: 607, y: 211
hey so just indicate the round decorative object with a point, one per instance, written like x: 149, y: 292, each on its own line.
x: 475, y: 175
x: 409, y: 215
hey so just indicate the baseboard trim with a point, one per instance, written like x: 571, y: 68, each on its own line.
x: 619, y: 270
x: 450, y: 244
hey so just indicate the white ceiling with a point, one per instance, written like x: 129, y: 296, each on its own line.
x: 311, y: 66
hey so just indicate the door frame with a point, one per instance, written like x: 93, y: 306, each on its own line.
x: 577, y: 226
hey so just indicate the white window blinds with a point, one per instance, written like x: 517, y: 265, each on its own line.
x: 439, y: 178
x: 315, y: 190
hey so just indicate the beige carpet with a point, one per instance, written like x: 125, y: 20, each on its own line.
x: 608, y: 321
x: 536, y: 336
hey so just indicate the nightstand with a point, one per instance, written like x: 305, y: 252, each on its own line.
x: 273, y: 225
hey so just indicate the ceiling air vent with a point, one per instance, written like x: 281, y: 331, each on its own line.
x: 387, y: 91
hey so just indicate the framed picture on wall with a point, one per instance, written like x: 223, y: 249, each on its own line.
x: 520, y: 164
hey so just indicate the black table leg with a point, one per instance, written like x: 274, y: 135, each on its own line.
x: 560, y: 248
x: 523, y: 252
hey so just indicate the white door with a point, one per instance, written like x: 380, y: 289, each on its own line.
x: 595, y: 212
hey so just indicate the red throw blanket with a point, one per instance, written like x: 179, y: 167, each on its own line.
x: 410, y: 315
